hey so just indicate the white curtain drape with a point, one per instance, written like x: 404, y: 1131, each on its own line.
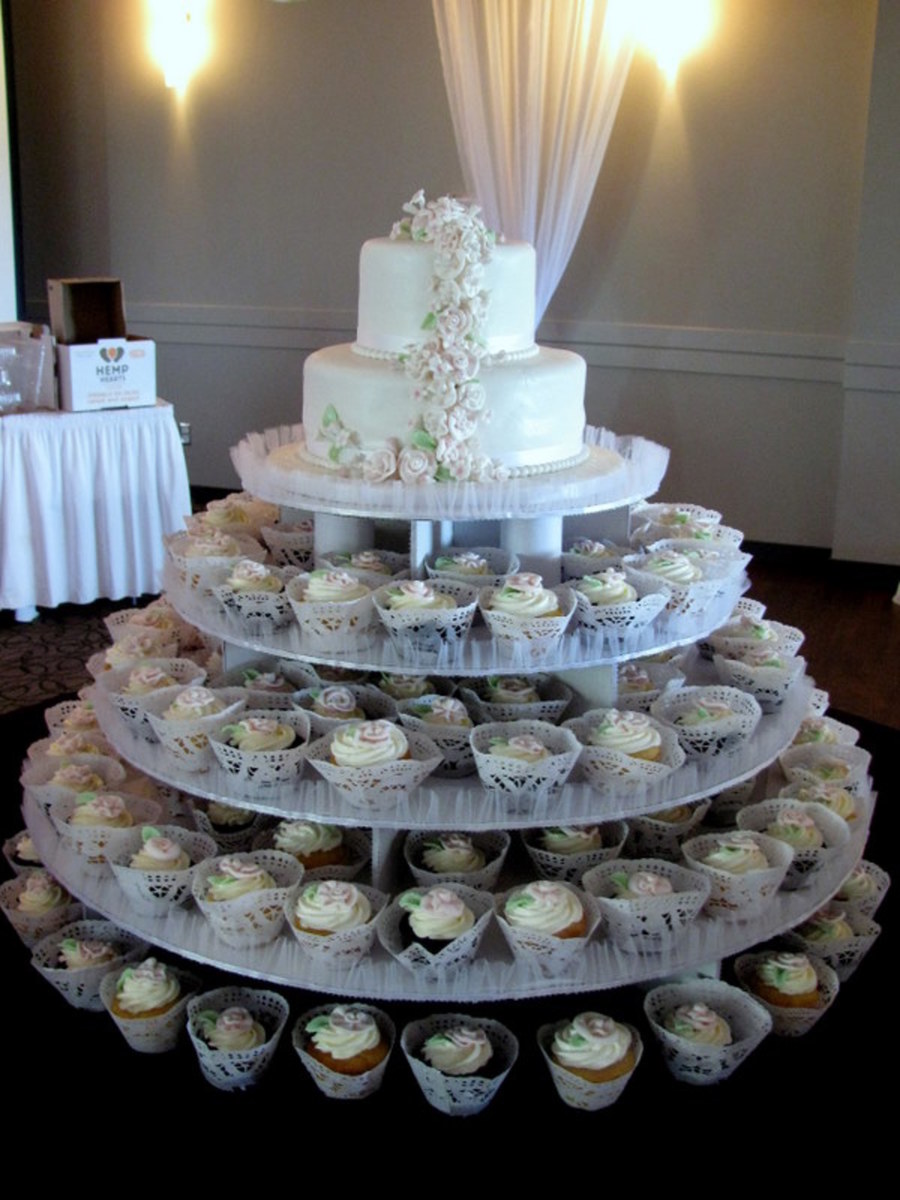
x: 534, y: 86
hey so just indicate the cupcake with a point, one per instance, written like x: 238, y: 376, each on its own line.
x: 590, y: 1059
x: 459, y: 1061
x: 608, y: 602
x: 547, y: 924
x: 796, y: 989
x: 565, y: 852
x: 705, y: 1028
x: 147, y: 1002
x: 313, y: 844
x: 373, y: 763
x: 435, y: 931
x: 345, y: 1048
x: 260, y: 749
x: 243, y: 896
x: 523, y: 763
x: 426, y: 619
x: 153, y: 865
x: 333, y: 919
x: 813, y: 833
x: 447, y: 722
x: 254, y: 593
x: 235, y: 1032
x: 36, y: 904
x: 525, y: 617
x: 744, y: 869
x: 646, y: 902
x: 75, y: 958
x: 435, y: 858
x: 624, y: 747
x: 183, y: 724
x: 332, y: 608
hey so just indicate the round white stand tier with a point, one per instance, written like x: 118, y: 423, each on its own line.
x: 617, y: 471
x: 493, y: 975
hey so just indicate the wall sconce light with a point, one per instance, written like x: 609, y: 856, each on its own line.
x: 179, y: 38
x: 670, y: 30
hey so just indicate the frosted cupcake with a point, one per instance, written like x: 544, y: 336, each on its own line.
x: 841, y: 937
x: 332, y: 608
x: 253, y: 593
x: 646, y: 902
x: 76, y: 957
x: 745, y: 871
x: 153, y: 866
x: 261, y: 749
x: 796, y: 989
x: 607, y: 601
x: 447, y: 722
x: 147, y: 1002
x: 813, y: 833
x: 184, y: 722
x: 524, y: 616
x: 590, y: 1058
x: 547, y: 923
x: 473, y: 860
x: 235, y: 1033
x: 330, y: 705
x: 622, y: 747
x: 459, y: 1061
x: 565, y: 852
x: 242, y: 896
x: 426, y: 619
x: 535, y: 697
x: 435, y: 931
x: 371, y: 762
x: 333, y: 920
x: 36, y: 904
x: 345, y: 1048
x: 523, y: 763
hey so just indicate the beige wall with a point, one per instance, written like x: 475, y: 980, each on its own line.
x: 712, y: 290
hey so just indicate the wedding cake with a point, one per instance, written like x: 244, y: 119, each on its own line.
x: 444, y: 380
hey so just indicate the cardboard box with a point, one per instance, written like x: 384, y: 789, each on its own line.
x: 99, y: 365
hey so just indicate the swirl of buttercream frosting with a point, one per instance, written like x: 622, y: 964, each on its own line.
x: 700, y: 1024
x: 332, y: 905
x: 543, y: 906
x: 233, y: 1029
x: 524, y: 596
x: 591, y: 1042
x: 737, y: 853
x: 607, y: 587
x: 437, y: 914
x: 345, y: 1032
x: 236, y: 877
x: 150, y: 985
x: 463, y: 1050
x: 452, y: 852
x: 368, y: 743
x: 626, y: 732
x: 792, y: 974
x: 333, y: 587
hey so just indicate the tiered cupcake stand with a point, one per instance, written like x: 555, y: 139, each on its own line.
x: 537, y: 516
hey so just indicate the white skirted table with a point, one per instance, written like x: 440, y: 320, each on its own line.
x: 85, y: 499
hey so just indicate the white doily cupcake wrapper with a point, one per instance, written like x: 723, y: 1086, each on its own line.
x: 578, y: 1092
x: 57, y: 715
x: 97, y: 843
x: 787, y: 640
x: 790, y: 1022
x: 628, y: 617
x: 692, y: 1062
x: 333, y: 1083
x: 663, y: 676
x: 331, y: 625
x: 120, y: 624
x: 453, y: 741
x: 499, y: 563
x: 339, y: 950
x: 493, y: 845
x: 576, y: 566
x: 357, y: 841
x: 546, y: 953
x: 264, y: 768
x: 132, y: 709
x: 9, y: 853
x: 805, y: 764
x: 81, y: 987
x: 713, y: 737
x: 257, y: 611
x: 602, y: 766
x: 650, y: 837
x: 37, y: 778
x: 555, y: 699
x: 525, y: 786
x: 450, y: 958
x: 229, y: 841
x: 867, y: 906
x: 569, y: 868
x: 845, y: 954
x: 377, y: 788
x: 289, y: 549
x: 186, y: 742
x: 32, y: 927
x: 647, y: 923
x: 151, y: 1035
x: 156, y: 893
x: 197, y: 573
x: 397, y: 564
x: 374, y: 703
x: 529, y: 640
x: 725, y: 806
x: 40, y: 751
x: 420, y: 634
x: 739, y: 897
x: 806, y: 862
x: 459, y: 1095
x: 688, y: 600
x: 254, y: 919
x: 230, y: 1070
x: 767, y: 685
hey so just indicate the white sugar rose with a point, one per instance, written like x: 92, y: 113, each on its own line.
x: 379, y: 465
x: 471, y: 396
x: 435, y: 422
x: 462, y: 423
x: 416, y: 466
x: 453, y: 324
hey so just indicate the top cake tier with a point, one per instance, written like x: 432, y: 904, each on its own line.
x: 395, y: 293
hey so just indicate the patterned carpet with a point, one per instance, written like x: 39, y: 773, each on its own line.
x: 45, y: 659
